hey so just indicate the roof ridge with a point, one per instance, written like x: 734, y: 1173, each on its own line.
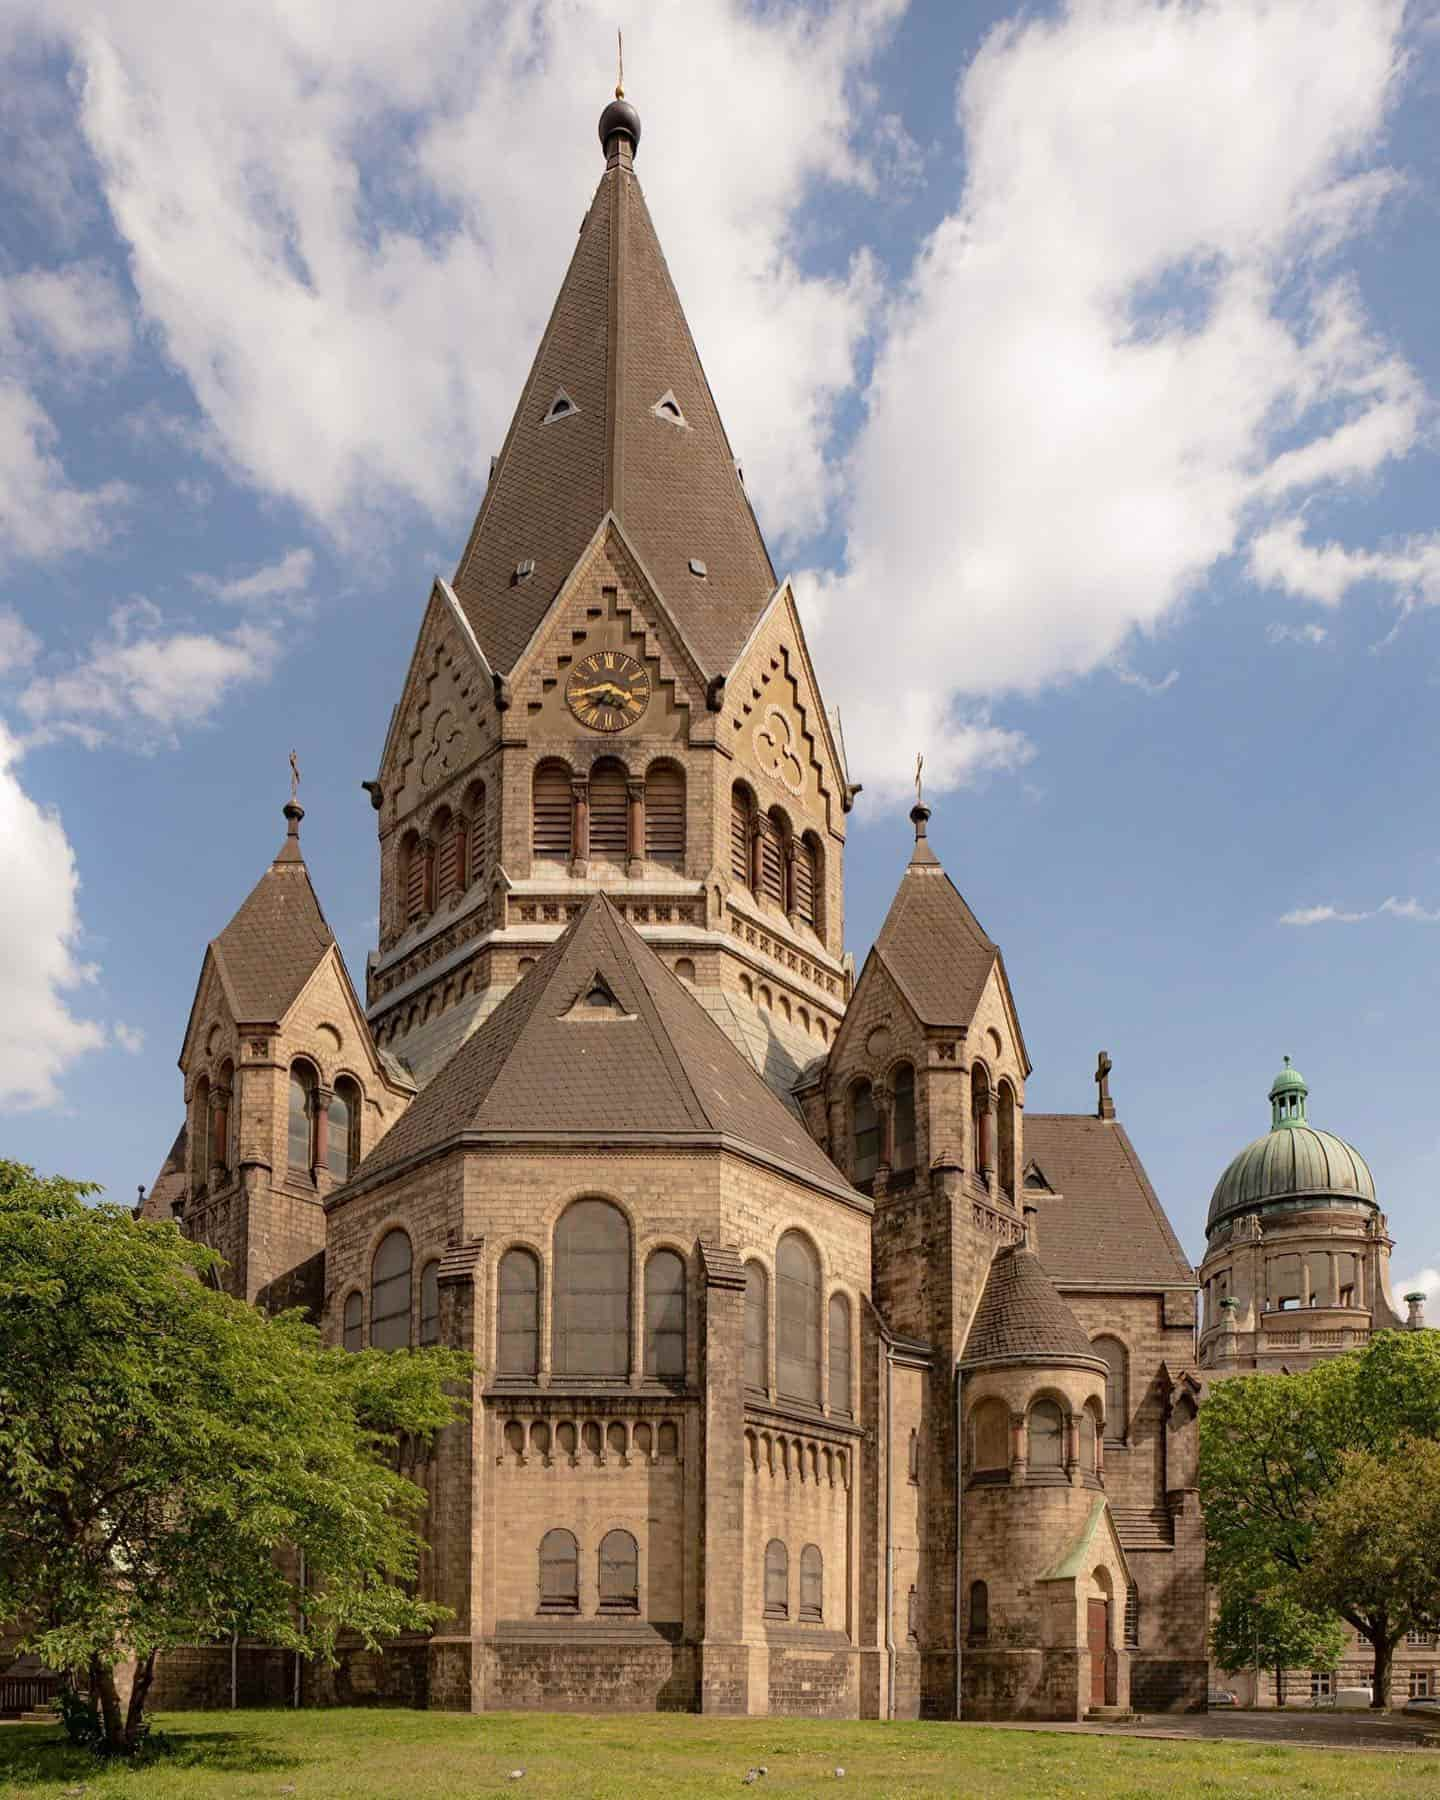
x: 658, y: 1029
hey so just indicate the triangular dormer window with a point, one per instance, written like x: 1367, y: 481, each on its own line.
x: 667, y: 407
x: 596, y: 1001
x: 1035, y: 1180
x: 561, y: 407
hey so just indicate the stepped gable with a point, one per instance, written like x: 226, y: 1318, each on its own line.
x: 272, y: 946
x: 592, y: 436
x: 601, y: 1042
x: 931, y: 942
x: 1021, y: 1317
x: 1104, y: 1222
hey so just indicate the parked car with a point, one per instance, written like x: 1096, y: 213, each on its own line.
x: 1429, y: 1709
x: 1222, y: 1697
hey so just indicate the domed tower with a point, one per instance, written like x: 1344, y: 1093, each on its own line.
x: 1297, y: 1259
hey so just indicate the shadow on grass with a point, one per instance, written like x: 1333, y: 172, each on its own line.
x: 47, y: 1757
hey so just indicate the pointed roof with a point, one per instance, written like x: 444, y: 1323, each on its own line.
x: 1021, y: 1317
x: 932, y: 944
x: 600, y: 1041
x: 640, y: 437
x: 169, y: 1183
x: 272, y: 946
x: 1101, y: 1221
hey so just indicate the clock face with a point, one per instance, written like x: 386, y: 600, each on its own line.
x: 607, y: 690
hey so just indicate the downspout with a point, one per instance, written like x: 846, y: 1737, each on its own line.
x: 959, y: 1540
x: 889, y: 1533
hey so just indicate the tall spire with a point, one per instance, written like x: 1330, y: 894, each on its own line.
x: 616, y: 416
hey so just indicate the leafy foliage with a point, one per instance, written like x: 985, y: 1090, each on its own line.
x: 167, y: 1452
x: 1291, y: 1467
x: 1274, y: 1631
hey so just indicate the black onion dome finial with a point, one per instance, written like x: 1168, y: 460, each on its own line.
x: 620, y: 118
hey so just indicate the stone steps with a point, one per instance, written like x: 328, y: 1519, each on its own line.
x: 1144, y: 1527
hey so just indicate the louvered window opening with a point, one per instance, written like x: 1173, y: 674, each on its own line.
x: 416, y: 869
x: 448, y: 858
x: 777, y: 1580
x: 559, y: 1573
x: 552, y: 812
x: 390, y: 1293
x: 772, y: 862
x: 665, y: 1316
x: 805, y: 883
x: 757, y: 1347
x: 665, y: 817
x: 475, y: 821
x: 619, y: 1573
x: 608, y: 807
x: 430, y: 1303
x: 904, y: 1152
x: 518, y: 1348
x: 592, y: 1291
x: 812, y: 1584
x: 740, y: 816
x: 797, y: 1321
x: 840, y: 1355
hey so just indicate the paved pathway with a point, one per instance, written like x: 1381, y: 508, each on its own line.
x: 1321, y: 1729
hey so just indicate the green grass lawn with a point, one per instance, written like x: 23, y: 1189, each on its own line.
x: 385, y: 1755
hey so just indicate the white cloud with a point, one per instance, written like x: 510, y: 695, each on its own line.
x: 284, y: 579
x: 1426, y: 1282
x: 19, y: 645
x: 77, y: 312
x: 42, y: 512
x: 145, y: 680
x: 1133, y: 678
x: 1393, y: 908
x: 1121, y: 348
x: 40, y: 968
x: 130, y: 1038
x: 1281, y: 557
x: 1314, y: 635
x: 349, y: 240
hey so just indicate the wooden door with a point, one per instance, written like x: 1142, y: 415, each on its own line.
x: 1098, y: 1636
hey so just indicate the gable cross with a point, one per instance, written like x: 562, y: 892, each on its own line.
x: 294, y: 778
x: 1103, y: 1066
x: 919, y: 766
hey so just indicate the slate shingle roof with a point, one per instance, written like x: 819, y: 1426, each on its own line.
x: 652, y: 1064
x: 616, y: 343
x: 1105, y: 1222
x: 933, y: 945
x: 1022, y: 1316
x: 270, y: 949
x: 169, y: 1184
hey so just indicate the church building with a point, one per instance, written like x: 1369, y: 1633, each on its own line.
x: 813, y: 1374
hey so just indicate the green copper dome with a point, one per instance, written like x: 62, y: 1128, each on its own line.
x: 1293, y: 1161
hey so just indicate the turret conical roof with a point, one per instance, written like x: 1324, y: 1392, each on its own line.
x: 270, y: 949
x: 616, y: 416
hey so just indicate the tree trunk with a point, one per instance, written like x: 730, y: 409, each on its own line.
x: 1279, y: 1684
x: 102, y: 1680
x: 135, y: 1713
x: 1384, y: 1649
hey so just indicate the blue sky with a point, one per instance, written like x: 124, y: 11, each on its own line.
x: 1082, y: 364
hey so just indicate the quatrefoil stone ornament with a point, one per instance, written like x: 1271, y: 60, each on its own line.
x: 775, y: 746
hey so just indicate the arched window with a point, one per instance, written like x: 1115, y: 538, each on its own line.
x: 797, y: 1322
x: 903, y: 1155
x: 757, y: 1327
x: 840, y: 1401
x: 200, y: 1136
x: 342, y: 1138
x: 301, y: 1136
x: 1005, y: 1121
x: 865, y: 1131
x: 559, y: 1573
x: 990, y: 1428
x: 609, y: 810
x: 518, y: 1326
x: 774, y: 838
x: 1117, y: 1410
x: 591, y: 1333
x: 1089, y: 1462
x: 619, y: 1573
x: 665, y: 1316
x: 777, y: 1580
x: 983, y: 1154
x: 812, y: 1584
x: 442, y: 836
x: 979, y: 1612
x: 665, y: 815
x: 474, y: 837
x: 414, y: 877
x: 430, y: 1302
x: 550, y: 835
x: 390, y: 1293
x: 354, y: 1321
x: 1046, y: 1436
x: 807, y: 881
x: 220, y: 1117
x: 742, y: 823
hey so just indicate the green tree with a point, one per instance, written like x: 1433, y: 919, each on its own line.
x: 166, y: 1453
x: 1270, y: 1629
x: 1274, y: 1447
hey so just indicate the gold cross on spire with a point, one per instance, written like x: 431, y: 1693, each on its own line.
x: 620, y: 65
x: 294, y: 778
x: 919, y: 766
